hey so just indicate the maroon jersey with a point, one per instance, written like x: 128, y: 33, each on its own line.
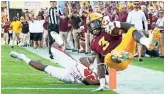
x: 149, y: 21
x: 85, y: 25
x: 105, y: 43
x: 6, y: 27
x: 45, y: 25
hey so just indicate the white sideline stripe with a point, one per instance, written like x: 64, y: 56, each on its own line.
x: 26, y: 88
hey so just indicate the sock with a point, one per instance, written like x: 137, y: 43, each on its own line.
x: 102, y: 81
x: 144, y: 41
x: 27, y: 60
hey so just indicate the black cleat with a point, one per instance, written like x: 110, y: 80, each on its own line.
x: 87, y: 52
x: 51, y: 56
x: 12, y: 46
x: 140, y: 60
x: 74, y: 50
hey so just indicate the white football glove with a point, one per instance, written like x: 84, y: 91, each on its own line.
x: 106, y: 20
x: 111, y: 25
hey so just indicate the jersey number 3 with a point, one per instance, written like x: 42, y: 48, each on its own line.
x: 103, y: 43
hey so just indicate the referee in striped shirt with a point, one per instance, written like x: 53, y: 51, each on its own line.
x: 54, y: 15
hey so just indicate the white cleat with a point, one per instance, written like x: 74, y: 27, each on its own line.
x: 101, y: 88
x: 153, y: 39
x: 57, y: 38
x: 122, y: 55
x: 16, y: 55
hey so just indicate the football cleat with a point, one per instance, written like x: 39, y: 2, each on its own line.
x: 153, y: 39
x: 16, y: 55
x: 57, y: 38
x: 122, y: 55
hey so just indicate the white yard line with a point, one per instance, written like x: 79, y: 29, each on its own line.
x: 30, y: 88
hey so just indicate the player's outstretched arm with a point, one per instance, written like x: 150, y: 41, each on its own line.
x: 112, y: 26
x: 87, y: 61
x: 125, y: 26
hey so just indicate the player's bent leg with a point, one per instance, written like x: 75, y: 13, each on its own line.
x: 150, y: 42
x: 122, y: 55
x: 116, y: 64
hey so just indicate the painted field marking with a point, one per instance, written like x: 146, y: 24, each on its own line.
x: 27, y: 88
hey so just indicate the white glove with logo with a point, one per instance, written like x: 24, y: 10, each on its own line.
x: 111, y: 25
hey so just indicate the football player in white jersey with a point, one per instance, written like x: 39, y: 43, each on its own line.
x: 73, y: 71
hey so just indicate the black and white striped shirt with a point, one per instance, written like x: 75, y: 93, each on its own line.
x: 52, y: 15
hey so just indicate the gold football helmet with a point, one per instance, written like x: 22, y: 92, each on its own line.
x: 94, y: 23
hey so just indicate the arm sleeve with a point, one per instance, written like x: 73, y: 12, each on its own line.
x: 126, y: 26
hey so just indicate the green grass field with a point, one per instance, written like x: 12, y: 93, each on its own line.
x: 17, y: 75
x: 150, y: 63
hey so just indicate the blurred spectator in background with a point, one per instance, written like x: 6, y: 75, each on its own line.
x: 39, y: 32
x: 130, y: 7
x: 16, y: 27
x: 41, y: 13
x: 76, y: 21
x: 70, y: 35
x: 97, y: 8
x: 6, y: 32
x: 150, y: 20
x: 115, y: 15
x: 45, y: 32
x: 18, y: 16
x: 63, y: 30
x: 25, y: 30
x: 82, y: 42
x: 160, y: 25
x: 122, y: 16
x: 32, y: 29
x: 136, y: 17
x: 84, y: 13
